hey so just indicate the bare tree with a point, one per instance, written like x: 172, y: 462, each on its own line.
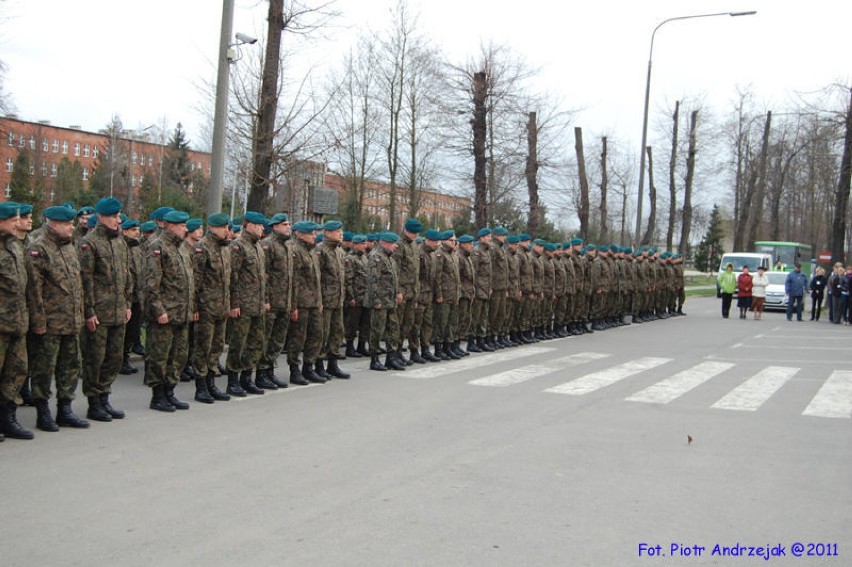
x: 652, y: 196
x: 672, y: 176
x: 841, y: 194
x: 531, y: 174
x: 604, y: 185
x: 583, y: 209
x: 686, y: 222
x: 757, y: 188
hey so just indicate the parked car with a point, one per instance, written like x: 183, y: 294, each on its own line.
x: 776, y: 298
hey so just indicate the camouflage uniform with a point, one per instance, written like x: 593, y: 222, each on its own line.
x: 332, y: 283
x: 169, y: 290
x: 600, y: 288
x: 481, y: 258
x: 279, y: 275
x: 211, y: 261
x: 537, y: 264
x: 424, y: 313
x: 133, y: 330
x: 382, y: 290
x: 499, y: 285
x: 55, y: 303
x: 107, y: 294
x: 249, y: 295
x: 306, y: 332
x: 467, y: 292
x: 525, y: 281
x: 515, y: 300
x: 407, y: 260
x: 357, y: 310
x: 14, y: 319
x: 446, y: 289
x: 560, y: 283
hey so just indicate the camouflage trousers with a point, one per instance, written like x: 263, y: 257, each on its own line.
x: 497, y: 313
x: 479, y: 317
x: 13, y: 367
x: 598, y: 307
x: 103, y: 353
x: 133, y: 329
x: 528, y: 311
x: 384, y: 323
x: 560, y: 310
x: 305, y: 336
x: 208, y: 343
x: 464, y: 311
x: 332, y: 332
x: 166, y: 353
x: 277, y: 326
x: 357, y: 323
x: 581, y: 306
x: 246, y: 343
x: 515, y: 315
x: 681, y: 297
x: 423, y: 322
x: 55, y: 356
x: 407, y: 319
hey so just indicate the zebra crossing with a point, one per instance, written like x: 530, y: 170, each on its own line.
x: 832, y: 400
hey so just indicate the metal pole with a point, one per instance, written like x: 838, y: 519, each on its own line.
x: 220, y: 117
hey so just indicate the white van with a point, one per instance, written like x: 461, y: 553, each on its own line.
x: 739, y: 259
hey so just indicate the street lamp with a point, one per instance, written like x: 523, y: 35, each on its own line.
x: 645, y: 115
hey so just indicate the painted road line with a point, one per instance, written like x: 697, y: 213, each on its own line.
x: 472, y: 362
x: 525, y: 373
x: 754, y: 392
x: 834, y: 398
x: 604, y: 378
x: 681, y: 383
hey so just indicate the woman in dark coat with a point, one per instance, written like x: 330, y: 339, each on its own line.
x: 817, y: 287
x: 744, y: 287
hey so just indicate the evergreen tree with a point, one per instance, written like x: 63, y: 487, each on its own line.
x: 709, y: 253
x: 177, y: 170
x: 69, y: 181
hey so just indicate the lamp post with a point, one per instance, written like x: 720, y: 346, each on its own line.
x: 641, y: 195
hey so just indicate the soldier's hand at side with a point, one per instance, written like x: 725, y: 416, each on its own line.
x: 128, y: 313
x: 294, y: 315
x: 235, y: 313
x: 92, y: 323
x: 399, y: 299
x: 352, y: 302
x: 195, y: 316
x: 377, y: 306
x: 267, y: 307
x: 163, y: 319
x: 39, y: 330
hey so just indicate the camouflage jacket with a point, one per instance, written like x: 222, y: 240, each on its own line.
x: 407, y: 261
x: 382, y: 280
x: 107, y: 283
x: 248, y: 276
x: 513, y: 262
x: 356, y: 278
x: 305, y: 267
x: 169, y: 280
x: 467, y: 276
x: 54, y: 286
x: 537, y: 264
x: 548, y: 281
x: 559, y: 281
x: 570, y: 275
x: 678, y: 276
x: 599, y: 276
x: 581, y: 282
x: 137, y: 268
x: 447, y: 278
x: 14, y: 319
x: 426, y: 275
x: 499, y: 266
x: 525, y: 271
x: 279, y: 271
x: 481, y: 257
x: 211, y: 264
x: 332, y: 273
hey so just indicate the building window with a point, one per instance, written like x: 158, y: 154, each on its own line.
x: 85, y: 174
x: 8, y: 190
x: 45, y: 145
x: 133, y: 180
x: 32, y: 168
x: 53, y: 170
x: 95, y: 152
x: 77, y: 149
x: 52, y: 195
x: 10, y: 163
x: 150, y: 160
x: 133, y: 158
x: 11, y: 138
x: 55, y: 146
x: 32, y: 142
x: 86, y: 150
x: 43, y: 169
x: 22, y: 141
x: 65, y: 147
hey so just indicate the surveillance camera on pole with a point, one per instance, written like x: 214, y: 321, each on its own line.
x: 243, y: 38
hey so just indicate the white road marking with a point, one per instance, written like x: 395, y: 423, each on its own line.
x: 755, y: 391
x: 604, y: 378
x: 525, y: 373
x: 834, y: 398
x: 681, y: 383
x: 435, y: 370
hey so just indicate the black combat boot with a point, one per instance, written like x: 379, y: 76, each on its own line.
x: 159, y: 401
x: 415, y: 356
x: 362, y: 348
x: 335, y: 370
x: 376, y: 364
x: 66, y: 418
x: 262, y: 379
x: 318, y: 368
x: 169, y: 392
x: 350, y: 349
x: 455, y: 346
x: 471, y: 345
x: 401, y: 357
x: 44, y: 420
x: 96, y: 410
x: 126, y: 368
x: 138, y: 349
x: 447, y: 349
x: 272, y: 377
x: 202, y: 394
x: 215, y: 392
x: 296, y: 376
x: 439, y: 352
x: 9, y: 425
x: 310, y: 375
x: 115, y: 413
x: 221, y: 369
x: 234, y: 388
x: 392, y: 362
x: 428, y: 356
x: 26, y: 394
x: 247, y: 384
x: 483, y: 345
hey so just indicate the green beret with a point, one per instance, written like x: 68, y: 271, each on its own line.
x: 319, y: 238
x: 108, y: 206
x: 332, y: 225
x: 278, y: 218
x: 86, y: 211
x: 549, y: 246
x: 590, y: 248
x: 465, y: 238
x: 413, y: 225
x: 235, y: 228
x: 347, y: 235
x: 255, y: 218
x: 603, y: 248
x: 129, y: 223
x: 93, y: 220
x: 447, y: 234
x: 389, y: 236
x: 538, y: 241
x: 60, y: 213
x: 158, y: 214
x: 483, y: 232
x: 148, y: 227
x: 193, y: 224
x: 176, y: 217
x: 501, y: 231
x: 514, y: 239
x: 122, y: 216
x: 432, y: 235
x: 358, y: 239
x: 304, y: 226
x: 70, y: 205
x: 217, y: 219
x: 627, y: 250
x: 372, y: 237
x: 524, y: 237
x: 9, y: 209
x: 25, y: 209
x: 238, y: 220
x: 577, y: 242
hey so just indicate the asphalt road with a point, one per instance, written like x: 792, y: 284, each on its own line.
x: 567, y: 452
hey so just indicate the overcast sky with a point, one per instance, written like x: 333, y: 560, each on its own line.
x: 78, y: 62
